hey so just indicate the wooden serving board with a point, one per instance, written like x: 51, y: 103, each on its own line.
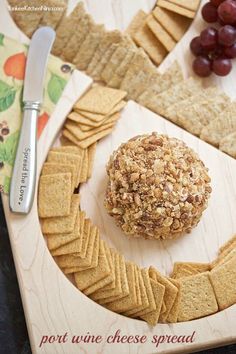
x: 52, y: 304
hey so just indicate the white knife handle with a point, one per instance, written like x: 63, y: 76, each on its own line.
x: 24, y: 172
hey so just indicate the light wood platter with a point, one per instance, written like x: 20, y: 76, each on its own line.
x: 52, y: 305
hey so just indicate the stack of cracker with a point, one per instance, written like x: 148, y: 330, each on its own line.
x: 94, y: 116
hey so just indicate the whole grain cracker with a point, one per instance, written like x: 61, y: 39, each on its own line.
x: 228, y: 144
x: 84, y: 169
x: 86, y: 278
x: 160, y: 33
x: 100, y: 100
x: 223, y: 279
x: 176, y: 25
x: 118, y: 55
x: 175, y: 8
x: 66, y: 28
x: 108, y: 119
x: 121, y: 70
x: 94, y: 262
x: 197, y: 297
x: 146, y: 39
x: 159, y: 83
x: 158, y: 291
x: 82, y: 227
x: 124, y: 284
x: 64, y: 224
x: 54, y: 197
x: 53, y: 18
x: 27, y: 21
x: 130, y: 301
x: 91, y: 157
x: 170, y: 292
x: 75, y: 129
x: 151, y: 299
x: 72, y: 47
x: 107, y: 40
x: 65, y: 157
x: 88, y: 47
x: 54, y: 168
x: 174, y: 311
x: 55, y: 241
x: 86, y: 142
x: 97, y: 118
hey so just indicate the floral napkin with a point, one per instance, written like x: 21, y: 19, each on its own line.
x: 12, y: 67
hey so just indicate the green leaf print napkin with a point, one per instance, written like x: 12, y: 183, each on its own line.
x: 12, y: 68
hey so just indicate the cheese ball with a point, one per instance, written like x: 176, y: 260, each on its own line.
x: 157, y: 187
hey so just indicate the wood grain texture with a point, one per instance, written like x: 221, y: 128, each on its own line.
x: 51, y: 302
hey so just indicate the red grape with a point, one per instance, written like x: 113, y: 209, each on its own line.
x: 230, y: 52
x: 202, y: 66
x: 196, y: 46
x: 209, y: 13
x: 208, y: 38
x: 222, y: 66
x: 216, y: 3
x: 227, y: 35
x: 227, y: 11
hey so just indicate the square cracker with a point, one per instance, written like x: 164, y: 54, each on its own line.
x: 146, y: 39
x: 137, y: 22
x: 54, y: 168
x: 197, y: 297
x: 130, y: 301
x: 88, y: 47
x: 150, y: 295
x: 144, y: 298
x: 117, y: 57
x: 66, y: 28
x: 53, y: 18
x: 74, y: 43
x: 107, y: 40
x: 100, y: 99
x: 223, y: 279
x: 176, y: 25
x: 88, y: 141
x: 228, y: 144
x: 187, y: 4
x: 84, y: 168
x: 160, y: 33
x: 27, y: 21
x: 86, y: 278
x: 97, y: 118
x: 121, y: 70
x: 64, y: 224
x: 170, y: 292
x: 159, y: 83
x: 173, y: 314
x: 54, y: 197
x: 158, y: 291
x: 79, y: 245
x: 175, y: 8
x: 87, y: 127
x: 124, y: 284
x: 65, y: 157
x: 55, y: 241
x: 228, y: 244
x: 94, y: 262
x: 181, y: 91
x: 75, y: 129
x: 91, y: 157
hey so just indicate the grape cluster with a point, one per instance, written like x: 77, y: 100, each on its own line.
x: 216, y: 46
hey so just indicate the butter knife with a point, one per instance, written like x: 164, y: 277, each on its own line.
x: 23, y: 180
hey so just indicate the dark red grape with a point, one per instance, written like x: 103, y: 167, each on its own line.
x: 216, y: 3
x: 227, y: 12
x: 196, y: 47
x: 221, y: 66
x: 209, y: 13
x: 202, y: 66
x: 230, y: 52
x: 209, y: 38
x: 227, y: 35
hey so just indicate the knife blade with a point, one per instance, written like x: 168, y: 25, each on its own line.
x: 22, y: 187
